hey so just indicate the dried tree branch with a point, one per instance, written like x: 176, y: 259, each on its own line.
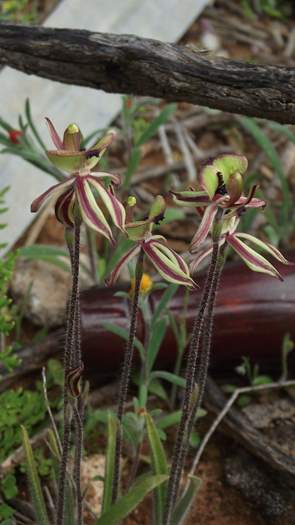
x: 141, y: 66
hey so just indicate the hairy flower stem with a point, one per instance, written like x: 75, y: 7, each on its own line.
x: 70, y: 350
x: 204, y: 358
x: 125, y: 374
x: 180, y: 446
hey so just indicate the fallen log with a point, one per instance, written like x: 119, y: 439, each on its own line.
x: 141, y: 66
x: 252, y: 315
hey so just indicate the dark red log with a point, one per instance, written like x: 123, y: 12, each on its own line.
x: 253, y: 313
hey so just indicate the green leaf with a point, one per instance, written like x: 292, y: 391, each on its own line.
x: 173, y: 214
x: 46, y: 253
x: 159, y: 464
x: 153, y: 127
x: 34, y: 482
x: 267, y: 146
x: 124, y: 334
x: 285, y: 130
x: 32, y: 125
x: 170, y: 377
x: 126, y: 504
x: 8, y: 486
x: 184, y: 504
x: 109, y: 463
x: 155, y: 341
x: 123, y: 246
x: 156, y: 388
x: 165, y: 299
x: 133, y: 163
x: 169, y: 420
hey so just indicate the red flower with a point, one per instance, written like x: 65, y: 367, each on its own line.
x: 14, y: 134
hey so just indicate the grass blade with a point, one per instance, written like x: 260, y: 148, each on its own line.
x: 126, y: 504
x: 184, y: 504
x: 267, y: 146
x: 34, y: 481
x: 156, y: 339
x: 160, y: 119
x: 160, y: 466
x: 165, y: 299
x: 124, y: 334
x: 109, y: 463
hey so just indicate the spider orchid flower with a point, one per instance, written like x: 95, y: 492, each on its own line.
x: 82, y: 189
x: 221, y: 182
x: 166, y: 261
x: 254, y: 260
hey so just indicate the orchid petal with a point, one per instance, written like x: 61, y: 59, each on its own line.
x: 190, y: 198
x: 204, y: 227
x: 113, y: 205
x: 101, y: 146
x: 226, y: 165
x: 234, y: 188
x: 166, y: 265
x: 54, y: 135
x: 272, y: 250
x: 126, y: 258
x: 250, y: 201
x: 53, y: 191
x: 171, y: 254
x: 64, y: 208
x: 90, y: 211
x: 201, y: 255
x: 116, y: 179
x: 254, y: 260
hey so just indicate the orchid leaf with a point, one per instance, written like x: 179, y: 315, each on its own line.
x: 127, y: 503
x: 184, y: 504
x: 34, y: 481
x: 155, y: 342
x: 124, y: 334
x: 159, y: 465
x: 109, y: 463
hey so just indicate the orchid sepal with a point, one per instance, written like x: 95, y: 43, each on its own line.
x: 253, y: 260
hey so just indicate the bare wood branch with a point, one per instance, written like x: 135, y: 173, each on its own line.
x: 141, y: 66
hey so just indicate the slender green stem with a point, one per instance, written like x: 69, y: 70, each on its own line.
x: 69, y: 359
x: 125, y: 374
x: 179, y: 451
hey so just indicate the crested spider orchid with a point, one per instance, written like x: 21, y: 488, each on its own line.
x: 171, y: 267
x: 220, y: 203
x: 83, y: 190
x: 165, y: 260
x: 81, y: 197
x: 222, y: 183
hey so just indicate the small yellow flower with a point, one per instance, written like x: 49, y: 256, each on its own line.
x: 146, y: 285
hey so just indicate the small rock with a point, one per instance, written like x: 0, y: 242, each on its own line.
x: 43, y: 289
x: 91, y: 468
